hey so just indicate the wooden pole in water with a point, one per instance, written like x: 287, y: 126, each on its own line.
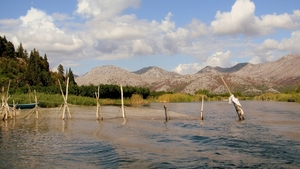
x: 122, y: 102
x: 5, y: 104
x: 14, y: 109
x: 2, y: 104
x: 67, y: 92
x: 238, y: 108
x: 3, y: 97
x: 98, y: 105
x: 62, y: 93
x: 201, y: 113
x: 8, y: 89
x: 66, y: 107
x: 166, y: 113
x: 36, y: 106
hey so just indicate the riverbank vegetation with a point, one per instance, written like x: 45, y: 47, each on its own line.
x: 56, y: 99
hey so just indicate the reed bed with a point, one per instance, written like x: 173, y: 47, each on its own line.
x: 55, y: 100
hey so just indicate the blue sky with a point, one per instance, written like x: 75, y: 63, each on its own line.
x: 176, y: 35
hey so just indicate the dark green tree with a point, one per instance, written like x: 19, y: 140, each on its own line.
x: 3, y: 42
x: 10, y: 50
x: 20, y: 51
x: 203, y: 92
x: 71, y: 77
x: 61, y: 73
x: 45, y: 75
x: 32, y: 75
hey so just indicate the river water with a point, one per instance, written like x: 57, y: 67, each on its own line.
x: 268, y: 138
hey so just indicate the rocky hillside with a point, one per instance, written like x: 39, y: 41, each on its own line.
x: 284, y: 71
x: 209, y: 69
x: 110, y: 75
x: 242, y: 77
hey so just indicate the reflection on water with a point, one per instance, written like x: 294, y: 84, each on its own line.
x: 268, y: 138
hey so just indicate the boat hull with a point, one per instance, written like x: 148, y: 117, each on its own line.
x: 24, y: 106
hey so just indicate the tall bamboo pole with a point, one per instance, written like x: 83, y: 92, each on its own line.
x: 67, y: 92
x: 122, y: 102
x: 36, y: 106
x: 3, y: 97
x: 201, y: 113
x: 98, y: 105
x: 97, y: 98
x: 65, y: 97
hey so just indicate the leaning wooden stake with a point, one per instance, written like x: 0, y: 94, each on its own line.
x: 35, y: 109
x: 122, y: 102
x: 167, y: 117
x: 3, y: 102
x: 36, y: 106
x: 98, y: 105
x: 65, y: 97
x: 236, y: 103
x: 201, y: 113
x: 5, y: 105
x: 3, y: 97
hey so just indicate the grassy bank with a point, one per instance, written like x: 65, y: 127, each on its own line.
x: 294, y: 97
x: 55, y: 100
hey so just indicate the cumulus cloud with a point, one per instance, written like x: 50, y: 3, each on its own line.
x: 38, y: 30
x: 287, y: 44
x: 283, y: 21
x: 263, y: 57
x: 291, y: 44
x: 103, y: 9
x: 189, y: 68
x: 221, y: 59
x: 197, y: 28
x: 242, y: 20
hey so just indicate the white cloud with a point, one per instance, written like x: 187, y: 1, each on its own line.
x: 174, y: 41
x: 221, y: 59
x: 283, y: 21
x: 197, y: 28
x: 242, y: 20
x: 61, y: 17
x: 267, y: 56
x: 296, y: 15
x: 290, y: 45
x: 37, y: 30
x: 167, y: 24
x: 255, y: 60
x: 268, y: 44
x: 139, y: 47
x: 103, y: 9
x: 189, y: 68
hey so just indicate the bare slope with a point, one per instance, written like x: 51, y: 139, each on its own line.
x: 278, y: 72
x: 110, y: 75
x: 209, y: 69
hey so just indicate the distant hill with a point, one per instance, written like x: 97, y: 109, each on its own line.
x: 154, y: 72
x: 110, y: 75
x: 209, y: 69
x: 244, y: 76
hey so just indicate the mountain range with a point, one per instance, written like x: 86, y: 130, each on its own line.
x: 243, y: 77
